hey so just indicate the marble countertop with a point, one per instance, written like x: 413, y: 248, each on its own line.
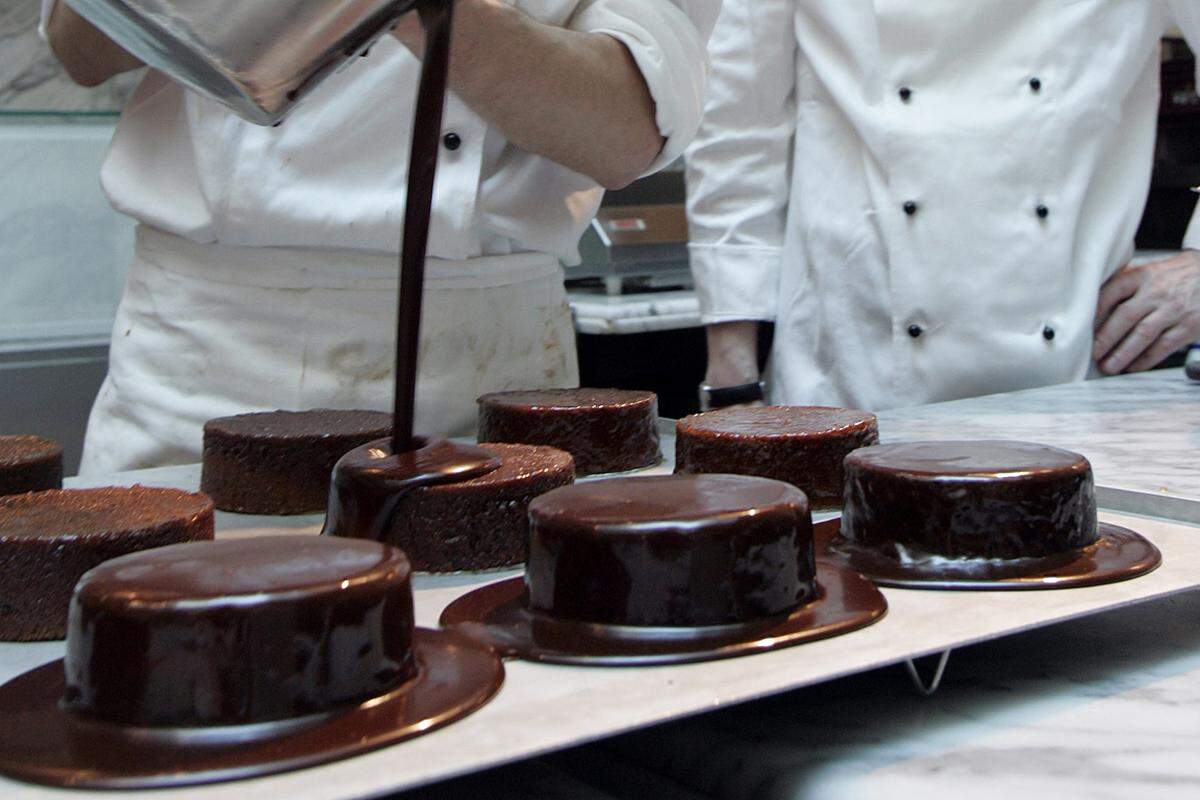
x: 1102, y: 707
x: 1141, y: 433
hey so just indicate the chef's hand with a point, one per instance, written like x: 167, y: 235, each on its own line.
x: 732, y: 354
x: 1147, y: 312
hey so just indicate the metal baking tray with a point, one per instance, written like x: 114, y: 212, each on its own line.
x: 548, y: 707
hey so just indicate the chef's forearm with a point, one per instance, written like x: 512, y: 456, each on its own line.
x: 88, y: 56
x: 732, y: 353
x: 575, y: 98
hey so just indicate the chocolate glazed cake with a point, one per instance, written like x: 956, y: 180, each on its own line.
x: 604, y: 430
x: 670, y: 551
x: 29, y: 464
x: 970, y: 499
x: 481, y: 523
x: 224, y: 660
x: 802, y: 445
x: 279, y: 462
x: 160, y: 638
x: 475, y: 523
x: 48, y: 540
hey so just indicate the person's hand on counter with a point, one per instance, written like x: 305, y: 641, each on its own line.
x: 1147, y: 312
x: 89, y: 57
x: 732, y: 354
x: 575, y: 98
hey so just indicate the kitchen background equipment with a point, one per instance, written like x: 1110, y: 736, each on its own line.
x: 638, y: 241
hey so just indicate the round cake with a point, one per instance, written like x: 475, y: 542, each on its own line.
x: 802, y: 445
x: 29, y: 464
x: 48, y: 540
x: 279, y: 462
x: 239, y: 631
x: 472, y: 524
x: 604, y: 430
x: 969, y: 499
x: 676, y: 550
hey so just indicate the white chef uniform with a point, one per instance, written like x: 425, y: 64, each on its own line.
x: 925, y: 196
x: 265, y: 269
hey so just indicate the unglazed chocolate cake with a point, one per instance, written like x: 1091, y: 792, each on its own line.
x: 969, y: 499
x: 802, y: 445
x: 605, y: 430
x: 670, y: 551
x: 29, y: 464
x: 239, y: 631
x: 279, y: 462
x: 48, y: 540
x: 477, y: 522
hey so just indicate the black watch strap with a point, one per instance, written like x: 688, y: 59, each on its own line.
x: 719, y: 397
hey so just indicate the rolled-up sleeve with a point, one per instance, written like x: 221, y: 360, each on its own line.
x: 739, y: 169
x: 667, y: 39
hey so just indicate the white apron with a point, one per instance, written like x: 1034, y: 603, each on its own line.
x: 207, y: 330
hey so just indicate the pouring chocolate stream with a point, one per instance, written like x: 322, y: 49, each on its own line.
x: 369, y: 482
x: 437, y: 16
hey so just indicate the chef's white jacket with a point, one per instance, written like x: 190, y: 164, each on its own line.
x: 925, y: 196
x: 333, y: 175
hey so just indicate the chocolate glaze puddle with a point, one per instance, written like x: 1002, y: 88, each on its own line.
x: 437, y: 18
x: 369, y: 481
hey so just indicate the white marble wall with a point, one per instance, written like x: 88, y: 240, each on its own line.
x: 30, y: 78
x: 63, y: 250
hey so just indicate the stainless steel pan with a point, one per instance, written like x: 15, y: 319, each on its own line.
x: 258, y: 57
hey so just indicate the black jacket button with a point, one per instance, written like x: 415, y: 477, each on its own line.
x: 915, y: 330
x: 905, y: 93
x: 1035, y: 84
x: 910, y: 207
x: 452, y: 141
x: 1042, y: 211
x: 1048, y: 333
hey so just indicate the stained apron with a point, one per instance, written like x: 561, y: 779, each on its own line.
x: 208, y: 330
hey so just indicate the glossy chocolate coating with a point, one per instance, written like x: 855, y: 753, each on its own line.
x: 279, y: 462
x: 370, y: 481
x: 48, y: 540
x: 239, y: 631
x: 29, y: 464
x: 801, y: 445
x: 482, y: 522
x: 974, y: 499
x: 670, y: 550
x: 604, y: 430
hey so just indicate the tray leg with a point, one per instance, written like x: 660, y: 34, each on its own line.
x: 939, y: 671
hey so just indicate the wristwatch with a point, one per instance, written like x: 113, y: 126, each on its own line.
x: 713, y: 397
